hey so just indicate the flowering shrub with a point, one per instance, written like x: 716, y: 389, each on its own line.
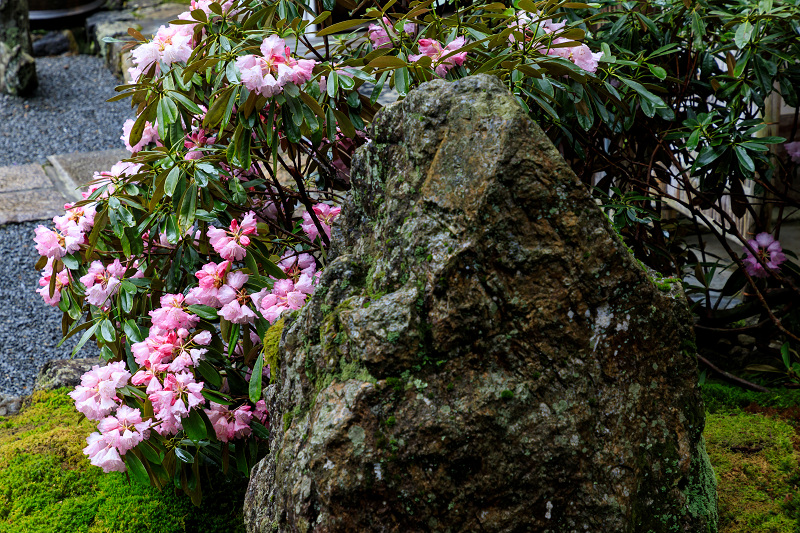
x: 179, y: 260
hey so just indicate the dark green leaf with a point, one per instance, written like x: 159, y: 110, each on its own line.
x: 255, y: 379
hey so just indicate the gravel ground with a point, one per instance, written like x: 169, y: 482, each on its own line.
x: 67, y: 113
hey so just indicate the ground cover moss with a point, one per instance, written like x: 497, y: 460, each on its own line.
x: 756, y: 464
x: 48, y: 486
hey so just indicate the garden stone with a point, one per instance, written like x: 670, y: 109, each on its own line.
x: 54, y: 43
x: 17, y: 66
x: 482, y: 352
x: 64, y: 372
x: 9, y: 405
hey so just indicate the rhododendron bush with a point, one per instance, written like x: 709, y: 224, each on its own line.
x: 179, y: 259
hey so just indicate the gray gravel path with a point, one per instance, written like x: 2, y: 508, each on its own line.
x: 67, y: 113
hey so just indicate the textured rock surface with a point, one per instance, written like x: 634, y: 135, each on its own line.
x: 17, y: 66
x: 482, y: 354
x: 64, y: 372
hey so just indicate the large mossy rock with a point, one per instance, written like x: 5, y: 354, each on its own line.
x: 483, y: 354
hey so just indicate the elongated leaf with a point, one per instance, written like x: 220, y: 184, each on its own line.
x: 259, y: 430
x: 136, y: 469
x: 85, y: 337
x: 183, y: 455
x: 340, y: 26
x: 172, y: 180
x: 209, y: 373
x: 188, y: 207
x: 194, y: 426
x: 255, y: 379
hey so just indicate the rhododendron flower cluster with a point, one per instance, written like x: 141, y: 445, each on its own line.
x: 62, y: 280
x: 118, y: 434
x: 96, y: 396
x: 381, y: 34
x: 793, y: 149
x: 102, y: 282
x: 275, y: 67
x: 434, y: 50
x: 149, y: 135
x: 231, y: 243
x: 170, y: 44
x: 325, y: 215
x: 578, y: 53
x: 768, y: 250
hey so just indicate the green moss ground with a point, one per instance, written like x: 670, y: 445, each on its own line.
x: 752, y: 440
x: 48, y: 486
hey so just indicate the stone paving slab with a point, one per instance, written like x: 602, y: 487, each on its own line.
x: 23, y: 177
x: 78, y: 168
x: 33, y: 204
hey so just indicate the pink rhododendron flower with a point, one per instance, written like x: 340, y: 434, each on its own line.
x: 229, y: 425
x: 195, y: 142
x: 126, y: 429
x: 268, y: 73
x: 793, y: 149
x: 261, y: 412
x: 212, y: 290
x: 294, y: 264
x: 149, y: 135
x: 102, y: 452
x: 57, y: 244
x: 172, y: 313
x: 237, y: 310
x: 180, y: 394
x: 62, y: 280
x: 103, y: 282
x: 325, y: 214
x: 284, y: 296
x: 96, y: 396
x: 770, y: 252
x: 170, y: 44
x: 230, y: 244
x: 381, y: 35
x: 580, y: 54
x: 434, y: 50
x: 81, y: 217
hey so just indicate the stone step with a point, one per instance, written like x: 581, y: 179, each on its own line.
x: 36, y: 192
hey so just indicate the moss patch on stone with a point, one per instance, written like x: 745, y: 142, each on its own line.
x: 271, y: 341
x: 48, y: 486
x: 756, y: 466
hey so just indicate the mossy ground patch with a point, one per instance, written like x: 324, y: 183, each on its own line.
x: 48, y: 486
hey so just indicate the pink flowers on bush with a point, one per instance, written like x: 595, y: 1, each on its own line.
x: 440, y: 56
x: 325, y: 214
x: 793, y: 149
x: 381, y: 35
x: 231, y: 244
x: 170, y: 44
x: 275, y: 67
x: 768, y: 250
x: 96, y: 396
x: 118, y: 434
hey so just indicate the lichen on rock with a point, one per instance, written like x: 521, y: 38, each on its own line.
x: 483, y: 353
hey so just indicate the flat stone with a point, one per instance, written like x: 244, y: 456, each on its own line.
x: 77, y: 169
x: 22, y: 178
x: 64, y: 372
x: 9, y: 405
x: 34, y: 204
